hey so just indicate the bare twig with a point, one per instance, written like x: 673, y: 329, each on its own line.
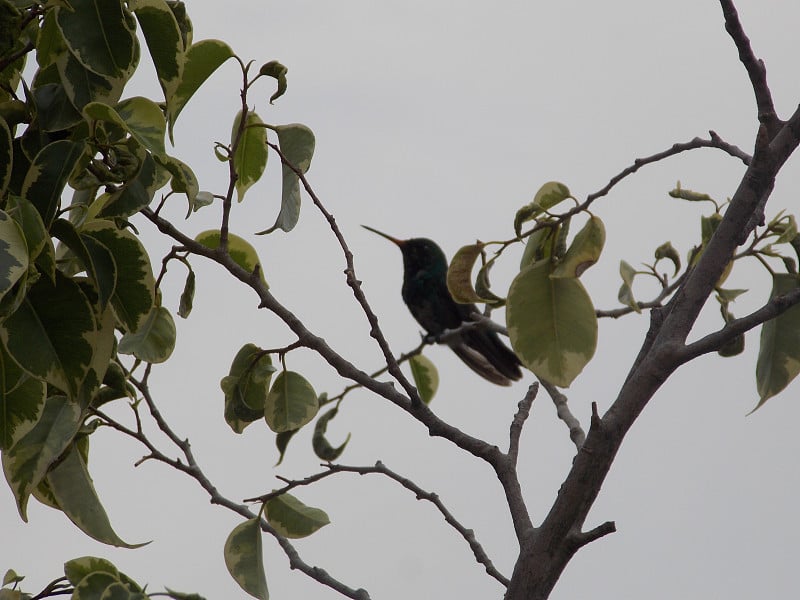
x: 467, y: 534
x: 576, y: 433
x: 421, y: 494
x: 714, y: 341
x: 755, y: 67
x: 523, y: 411
x: 656, y: 302
x: 193, y: 470
x: 355, y: 284
x: 714, y: 141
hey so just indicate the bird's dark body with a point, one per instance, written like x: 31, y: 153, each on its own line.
x: 427, y: 297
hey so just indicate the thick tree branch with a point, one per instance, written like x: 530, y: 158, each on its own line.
x: 755, y: 67
x: 663, y: 351
x: 714, y: 341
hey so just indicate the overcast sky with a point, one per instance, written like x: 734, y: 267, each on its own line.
x: 440, y: 119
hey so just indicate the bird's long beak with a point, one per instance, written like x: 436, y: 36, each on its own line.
x: 388, y: 237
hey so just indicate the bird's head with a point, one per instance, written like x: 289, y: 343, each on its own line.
x: 418, y: 253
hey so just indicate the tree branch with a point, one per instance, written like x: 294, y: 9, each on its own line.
x: 576, y: 433
x: 714, y: 341
x: 755, y: 67
x: 355, y: 284
x: 714, y: 141
x: 523, y: 411
x: 421, y: 494
x: 193, y: 470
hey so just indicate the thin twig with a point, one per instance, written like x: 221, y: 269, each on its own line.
x: 755, y: 67
x: 523, y: 412
x: 576, y: 433
x: 192, y: 469
x: 714, y: 341
x: 467, y: 534
x: 421, y: 494
x: 656, y: 302
x: 355, y: 284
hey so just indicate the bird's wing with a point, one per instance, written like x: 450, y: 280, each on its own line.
x: 478, y: 363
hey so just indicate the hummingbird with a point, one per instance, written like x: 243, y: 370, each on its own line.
x: 427, y: 297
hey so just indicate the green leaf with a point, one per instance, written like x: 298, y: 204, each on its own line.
x: 244, y: 558
x: 72, y: 487
x: 187, y: 296
x: 483, y: 287
x: 625, y: 294
x: 37, y: 238
x: 322, y: 447
x: 79, y: 568
x: 297, y: 145
x: 277, y: 71
x: 11, y: 576
x: 94, y: 586
x: 134, y: 293
x: 282, y: 441
x: 250, y: 158
x: 551, y: 324
x: 425, y: 375
x: 584, y: 251
x: 182, y: 595
x: 162, y: 35
x: 138, y: 116
x: 48, y: 174
x: 666, y: 250
x: 459, y: 274
x: 291, y: 402
x: 293, y: 519
x: 202, y: 59
x: 21, y: 401
x: 184, y: 22
x: 549, y: 195
x: 183, y: 181
x: 538, y: 246
x: 154, y: 341
x: 240, y: 250
x: 47, y: 334
x: 246, y: 387
x: 136, y: 193
x: 99, y: 35
x: 682, y: 194
x: 13, y: 253
x: 28, y: 460
x: 95, y: 258
x: 6, y: 156
x: 80, y: 86
x: 779, y: 353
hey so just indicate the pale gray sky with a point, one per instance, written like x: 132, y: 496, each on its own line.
x: 440, y: 120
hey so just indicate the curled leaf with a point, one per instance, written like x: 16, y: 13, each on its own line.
x: 426, y: 377
x: 277, y: 71
x: 292, y: 518
x: 459, y: 274
x: 550, y: 194
x: 625, y: 294
x: 666, y: 250
x: 584, y: 251
x: 322, y: 447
